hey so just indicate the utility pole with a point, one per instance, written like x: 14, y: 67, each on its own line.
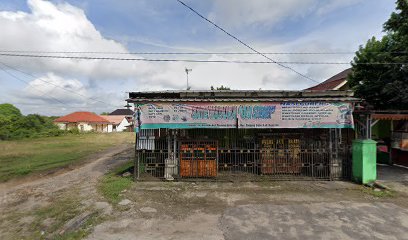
x: 187, y: 71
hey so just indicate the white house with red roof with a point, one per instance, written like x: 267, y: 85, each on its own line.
x: 84, y: 122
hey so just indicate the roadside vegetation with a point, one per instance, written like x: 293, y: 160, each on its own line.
x: 41, y: 155
x: 64, y: 218
x: 379, y: 193
x: 384, y: 86
x: 113, y: 184
x: 14, y: 125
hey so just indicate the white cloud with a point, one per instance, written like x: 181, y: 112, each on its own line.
x: 54, y: 95
x: 62, y: 27
x: 51, y: 87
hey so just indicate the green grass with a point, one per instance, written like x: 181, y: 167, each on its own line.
x: 379, y: 194
x: 48, y: 221
x: 30, y: 156
x: 60, y: 211
x: 113, y: 184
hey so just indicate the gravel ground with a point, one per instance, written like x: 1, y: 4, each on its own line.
x: 264, y: 210
x: 208, y: 210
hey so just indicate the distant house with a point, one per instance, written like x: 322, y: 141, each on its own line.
x: 84, y: 122
x: 337, y: 82
x: 124, y: 112
x: 119, y: 122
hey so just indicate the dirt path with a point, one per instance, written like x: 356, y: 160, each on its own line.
x: 15, y: 193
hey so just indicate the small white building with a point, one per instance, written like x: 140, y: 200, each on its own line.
x: 84, y: 122
x: 127, y: 113
x: 119, y: 123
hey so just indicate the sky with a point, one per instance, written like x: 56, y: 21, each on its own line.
x: 128, y: 28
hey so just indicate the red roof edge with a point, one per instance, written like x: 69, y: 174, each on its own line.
x: 333, y: 82
x: 82, y: 117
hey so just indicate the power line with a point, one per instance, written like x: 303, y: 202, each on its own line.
x: 14, y: 76
x: 65, y: 105
x: 179, y: 53
x: 56, y: 85
x: 246, y: 45
x: 189, y: 53
x: 196, y: 60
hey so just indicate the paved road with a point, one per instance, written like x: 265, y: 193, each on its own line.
x: 344, y: 220
x: 268, y: 210
x: 392, y: 173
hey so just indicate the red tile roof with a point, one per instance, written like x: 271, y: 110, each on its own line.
x: 82, y: 117
x: 333, y: 82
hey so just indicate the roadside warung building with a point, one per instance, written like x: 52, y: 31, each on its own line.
x: 243, y: 134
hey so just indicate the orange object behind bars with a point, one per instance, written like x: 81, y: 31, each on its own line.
x: 280, y: 156
x: 198, y: 159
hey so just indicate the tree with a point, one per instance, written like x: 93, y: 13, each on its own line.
x: 220, y: 88
x: 8, y: 115
x: 7, y: 109
x: 384, y: 86
x: 104, y: 113
x: 14, y: 125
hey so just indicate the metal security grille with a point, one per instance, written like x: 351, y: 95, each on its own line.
x: 244, y: 154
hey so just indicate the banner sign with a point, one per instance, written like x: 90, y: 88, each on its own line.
x: 246, y: 115
x: 187, y: 115
x: 295, y: 115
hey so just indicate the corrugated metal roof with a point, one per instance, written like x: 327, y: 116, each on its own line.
x: 241, y: 95
x: 345, y: 99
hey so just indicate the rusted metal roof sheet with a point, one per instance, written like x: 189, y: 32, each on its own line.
x: 389, y: 116
x: 241, y: 96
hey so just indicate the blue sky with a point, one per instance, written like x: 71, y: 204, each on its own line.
x: 167, y: 26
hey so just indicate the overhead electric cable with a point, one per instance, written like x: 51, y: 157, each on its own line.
x: 26, y: 82
x: 246, y: 45
x: 187, y: 53
x: 56, y: 85
x: 196, y: 60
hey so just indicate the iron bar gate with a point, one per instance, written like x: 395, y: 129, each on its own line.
x: 244, y: 154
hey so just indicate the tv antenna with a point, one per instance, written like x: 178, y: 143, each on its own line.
x: 187, y: 71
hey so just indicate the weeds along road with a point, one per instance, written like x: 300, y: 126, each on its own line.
x: 86, y: 176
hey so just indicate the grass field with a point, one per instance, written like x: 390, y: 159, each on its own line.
x: 29, y: 156
x: 112, y: 184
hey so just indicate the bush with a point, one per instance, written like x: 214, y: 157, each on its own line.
x: 14, y: 125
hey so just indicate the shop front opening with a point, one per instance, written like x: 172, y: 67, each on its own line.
x: 245, y: 154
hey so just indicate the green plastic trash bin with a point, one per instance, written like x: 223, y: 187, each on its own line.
x: 364, y: 161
